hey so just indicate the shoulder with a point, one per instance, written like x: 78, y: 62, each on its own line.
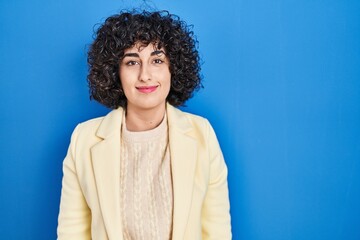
x: 91, y: 123
x: 89, y: 127
x: 84, y: 134
x: 102, y: 126
x: 193, y: 117
x: 90, y: 132
x: 177, y: 114
x: 195, y: 125
x: 183, y: 118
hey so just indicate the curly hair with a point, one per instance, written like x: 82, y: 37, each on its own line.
x: 122, y: 31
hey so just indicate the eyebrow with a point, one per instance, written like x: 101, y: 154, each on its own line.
x: 130, y: 55
x: 157, y: 52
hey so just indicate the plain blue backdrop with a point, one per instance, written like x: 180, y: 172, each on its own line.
x: 281, y: 88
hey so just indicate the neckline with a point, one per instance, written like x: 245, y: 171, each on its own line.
x: 143, y: 136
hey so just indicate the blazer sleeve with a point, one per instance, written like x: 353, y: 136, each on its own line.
x: 74, y: 220
x: 216, y: 223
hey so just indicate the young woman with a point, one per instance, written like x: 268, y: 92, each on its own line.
x: 146, y: 170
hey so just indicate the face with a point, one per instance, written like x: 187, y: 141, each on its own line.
x: 145, y: 77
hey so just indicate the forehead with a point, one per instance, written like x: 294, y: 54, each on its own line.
x: 143, y: 48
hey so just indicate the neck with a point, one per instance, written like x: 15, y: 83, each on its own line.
x: 138, y: 120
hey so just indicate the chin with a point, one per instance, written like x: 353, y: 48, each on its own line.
x: 149, y: 105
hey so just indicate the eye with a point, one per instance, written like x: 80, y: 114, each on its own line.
x: 158, y: 61
x: 131, y: 63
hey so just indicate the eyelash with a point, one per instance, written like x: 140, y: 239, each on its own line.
x: 158, y: 61
x: 132, y: 62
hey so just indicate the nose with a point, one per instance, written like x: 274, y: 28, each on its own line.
x: 145, y: 73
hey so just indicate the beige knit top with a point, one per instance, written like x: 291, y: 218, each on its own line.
x: 146, y: 184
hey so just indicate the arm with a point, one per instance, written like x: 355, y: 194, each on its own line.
x: 216, y: 208
x: 74, y: 216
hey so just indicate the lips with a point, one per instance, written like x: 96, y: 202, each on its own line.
x: 146, y: 89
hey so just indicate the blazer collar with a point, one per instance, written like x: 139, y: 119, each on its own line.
x: 183, y: 152
x: 111, y: 123
x: 106, y: 163
x: 105, y: 157
x: 177, y: 119
x: 113, y: 120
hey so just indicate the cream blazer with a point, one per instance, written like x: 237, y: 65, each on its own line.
x: 90, y: 196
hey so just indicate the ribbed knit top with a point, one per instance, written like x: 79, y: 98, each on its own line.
x: 146, y: 184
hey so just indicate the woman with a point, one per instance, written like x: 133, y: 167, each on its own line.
x: 146, y: 170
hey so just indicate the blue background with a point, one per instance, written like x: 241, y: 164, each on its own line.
x: 282, y: 90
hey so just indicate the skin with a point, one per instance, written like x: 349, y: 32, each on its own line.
x: 146, y: 79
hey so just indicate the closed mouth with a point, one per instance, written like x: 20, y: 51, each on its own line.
x: 147, y: 89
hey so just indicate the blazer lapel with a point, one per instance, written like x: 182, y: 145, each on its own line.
x: 183, y: 151
x: 106, y: 165
x: 105, y: 158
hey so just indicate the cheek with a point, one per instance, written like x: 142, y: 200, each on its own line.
x: 167, y: 83
x: 126, y: 87
x: 126, y: 77
x: 166, y: 77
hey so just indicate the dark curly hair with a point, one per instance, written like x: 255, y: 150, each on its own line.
x: 120, y: 32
